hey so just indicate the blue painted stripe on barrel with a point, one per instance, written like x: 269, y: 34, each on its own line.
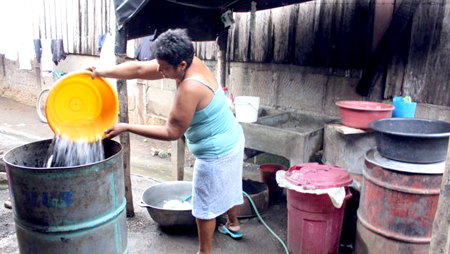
x: 83, y: 225
x: 52, y: 236
x: 67, y: 237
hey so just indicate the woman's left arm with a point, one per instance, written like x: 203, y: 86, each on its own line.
x: 180, y: 118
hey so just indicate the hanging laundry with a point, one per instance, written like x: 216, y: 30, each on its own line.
x: 101, y: 40
x: 107, y: 56
x: 143, y: 52
x: 58, y: 53
x: 26, y: 54
x: 11, y: 49
x: 37, y: 49
x: 46, y: 58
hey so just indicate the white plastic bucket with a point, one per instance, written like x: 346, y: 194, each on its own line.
x: 246, y: 108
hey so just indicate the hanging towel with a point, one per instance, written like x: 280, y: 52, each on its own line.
x: 11, y: 49
x: 58, y: 53
x: 26, y: 54
x: 37, y: 49
x: 107, y: 56
x: 46, y: 58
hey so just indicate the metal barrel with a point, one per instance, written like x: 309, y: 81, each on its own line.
x: 67, y: 209
x: 396, y: 210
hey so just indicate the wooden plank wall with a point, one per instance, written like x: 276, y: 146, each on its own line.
x: 77, y: 22
x: 420, y: 66
x: 322, y: 33
x: 338, y: 34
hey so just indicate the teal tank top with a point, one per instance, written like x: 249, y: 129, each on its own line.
x: 214, y: 130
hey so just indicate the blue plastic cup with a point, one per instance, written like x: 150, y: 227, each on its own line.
x: 403, y: 109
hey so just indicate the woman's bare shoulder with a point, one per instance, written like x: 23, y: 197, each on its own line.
x: 201, y: 72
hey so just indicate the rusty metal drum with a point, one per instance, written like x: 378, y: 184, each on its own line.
x: 70, y: 210
x: 397, y: 206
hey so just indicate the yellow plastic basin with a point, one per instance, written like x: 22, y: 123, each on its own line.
x: 81, y: 108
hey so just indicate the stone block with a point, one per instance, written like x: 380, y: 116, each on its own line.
x: 155, y: 120
x: 337, y: 89
x: 346, y: 150
x: 253, y: 80
x: 301, y: 92
x: 132, y: 98
x: 433, y: 112
x: 159, y: 101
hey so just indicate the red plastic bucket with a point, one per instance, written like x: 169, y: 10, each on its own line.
x: 267, y: 175
x: 314, y: 223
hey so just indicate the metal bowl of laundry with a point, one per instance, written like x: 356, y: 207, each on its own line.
x: 155, y: 197
x: 412, y: 140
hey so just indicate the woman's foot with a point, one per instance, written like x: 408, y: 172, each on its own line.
x: 233, y: 227
x: 232, y: 230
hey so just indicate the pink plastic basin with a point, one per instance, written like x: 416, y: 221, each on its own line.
x: 359, y: 114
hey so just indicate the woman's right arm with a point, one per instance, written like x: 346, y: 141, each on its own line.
x: 129, y: 70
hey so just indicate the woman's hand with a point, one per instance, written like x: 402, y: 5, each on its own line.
x: 95, y: 72
x: 115, y: 130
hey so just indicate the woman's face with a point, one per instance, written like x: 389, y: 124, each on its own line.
x: 168, y: 71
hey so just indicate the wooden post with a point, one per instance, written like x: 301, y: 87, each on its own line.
x: 386, y: 46
x: 440, y: 237
x: 3, y: 65
x: 120, y: 52
x: 222, y: 41
x: 178, y: 147
x: 37, y: 69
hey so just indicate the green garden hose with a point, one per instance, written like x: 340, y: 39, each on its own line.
x: 264, y: 223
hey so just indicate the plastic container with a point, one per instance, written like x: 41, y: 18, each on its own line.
x: 267, y: 176
x: 359, y: 114
x: 412, y: 140
x: 314, y: 223
x: 403, y: 109
x: 80, y: 108
x: 229, y: 97
x: 246, y: 108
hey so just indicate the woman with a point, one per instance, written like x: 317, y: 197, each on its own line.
x: 200, y: 112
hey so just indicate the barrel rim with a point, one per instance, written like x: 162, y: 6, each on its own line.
x: 437, y: 168
x: 375, y: 125
x: 9, y: 164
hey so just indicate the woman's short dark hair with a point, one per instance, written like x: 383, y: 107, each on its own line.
x: 174, y: 46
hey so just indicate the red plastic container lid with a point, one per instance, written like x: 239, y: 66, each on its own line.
x: 316, y: 176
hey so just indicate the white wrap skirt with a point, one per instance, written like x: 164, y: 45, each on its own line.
x: 217, y: 183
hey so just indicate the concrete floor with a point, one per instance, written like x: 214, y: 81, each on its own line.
x: 20, y: 125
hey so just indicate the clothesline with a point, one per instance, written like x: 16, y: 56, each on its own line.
x: 50, y: 52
